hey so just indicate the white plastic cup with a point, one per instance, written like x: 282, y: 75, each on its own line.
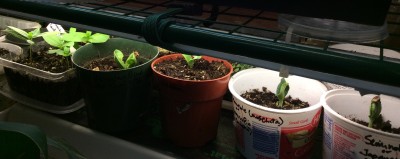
x: 344, y: 138
x: 263, y: 132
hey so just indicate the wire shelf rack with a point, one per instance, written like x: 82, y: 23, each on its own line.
x: 246, y: 35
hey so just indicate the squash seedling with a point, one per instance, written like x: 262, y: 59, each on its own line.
x: 190, y: 59
x: 374, y: 110
x: 24, y: 35
x: 281, y: 92
x: 130, y: 61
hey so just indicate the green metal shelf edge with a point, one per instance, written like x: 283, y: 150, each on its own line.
x: 315, y: 59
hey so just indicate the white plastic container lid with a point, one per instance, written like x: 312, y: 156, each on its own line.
x: 333, y: 30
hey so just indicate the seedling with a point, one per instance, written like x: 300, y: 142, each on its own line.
x: 61, y: 46
x: 23, y: 35
x: 374, y: 110
x: 87, y: 37
x: 190, y: 59
x: 130, y: 61
x: 281, y: 92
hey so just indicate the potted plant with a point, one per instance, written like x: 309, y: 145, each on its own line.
x: 360, y: 126
x: 280, y: 123
x: 44, y: 73
x: 115, y: 90
x: 191, y: 97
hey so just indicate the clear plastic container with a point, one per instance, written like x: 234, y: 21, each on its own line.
x: 19, y: 23
x: 8, y: 61
x: 332, y: 30
x: 52, y: 92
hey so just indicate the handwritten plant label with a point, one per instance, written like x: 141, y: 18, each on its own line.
x: 269, y: 135
x: 343, y: 140
x: 55, y: 27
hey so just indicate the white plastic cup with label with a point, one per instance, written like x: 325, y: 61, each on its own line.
x: 344, y: 138
x: 269, y: 133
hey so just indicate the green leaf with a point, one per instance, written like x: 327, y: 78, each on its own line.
x: 19, y: 31
x: 98, y: 38
x: 22, y: 141
x: 30, y: 42
x: 61, y: 52
x: 30, y: 35
x: 35, y: 33
x: 118, y: 58
x: 70, y: 43
x: 88, y: 33
x: 53, y: 39
x: 190, y: 59
x: 52, y: 51
x: 73, y: 36
x: 131, y: 61
x: 281, y: 91
x: 15, y: 34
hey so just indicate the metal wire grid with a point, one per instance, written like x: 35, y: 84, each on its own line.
x: 256, y: 24
x: 240, y: 21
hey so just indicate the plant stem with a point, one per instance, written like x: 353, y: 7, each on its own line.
x: 374, y: 110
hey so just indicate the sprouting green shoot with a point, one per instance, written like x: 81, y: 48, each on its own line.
x: 374, y: 110
x: 281, y: 92
x: 130, y: 61
x: 190, y: 59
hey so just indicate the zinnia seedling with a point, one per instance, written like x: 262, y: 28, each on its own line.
x: 87, y: 37
x: 190, y: 59
x: 130, y: 61
x: 281, y: 92
x: 23, y: 35
x: 374, y: 110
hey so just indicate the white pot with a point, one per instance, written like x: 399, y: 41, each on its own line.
x: 263, y: 132
x: 344, y: 138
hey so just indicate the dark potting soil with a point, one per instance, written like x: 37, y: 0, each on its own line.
x: 44, y: 61
x: 268, y: 99
x: 59, y: 93
x: 202, y: 69
x: 108, y: 63
x: 3, y: 52
x: 379, y: 124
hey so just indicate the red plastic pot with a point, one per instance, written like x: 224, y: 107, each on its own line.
x: 191, y: 109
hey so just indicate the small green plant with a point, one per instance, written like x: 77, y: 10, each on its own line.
x: 239, y: 67
x: 87, y: 37
x: 64, y: 44
x: 61, y: 46
x: 130, y: 61
x: 374, y: 110
x: 24, y: 35
x: 281, y: 92
x: 190, y: 59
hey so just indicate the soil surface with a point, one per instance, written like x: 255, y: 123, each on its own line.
x: 44, y: 61
x: 202, y: 69
x: 268, y: 99
x: 103, y: 64
x: 379, y: 125
x: 108, y: 63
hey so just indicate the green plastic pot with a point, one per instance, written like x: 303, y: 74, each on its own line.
x: 115, y: 100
